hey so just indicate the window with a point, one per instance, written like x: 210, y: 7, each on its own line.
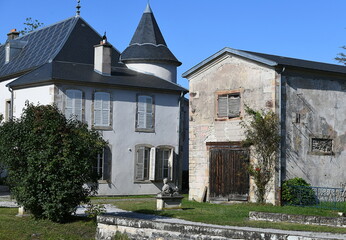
x: 153, y: 163
x: 74, y: 104
x: 228, y: 105
x: 8, y: 110
x: 164, y: 162
x: 145, y: 113
x: 102, y: 109
x: 103, y: 164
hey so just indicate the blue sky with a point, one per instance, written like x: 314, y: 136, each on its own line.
x: 195, y: 29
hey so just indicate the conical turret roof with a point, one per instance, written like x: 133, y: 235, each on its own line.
x: 148, y: 44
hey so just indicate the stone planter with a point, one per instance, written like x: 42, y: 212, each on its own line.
x: 168, y: 202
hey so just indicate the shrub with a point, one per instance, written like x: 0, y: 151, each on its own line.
x: 92, y: 211
x: 49, y: 160
x: 297, y: 191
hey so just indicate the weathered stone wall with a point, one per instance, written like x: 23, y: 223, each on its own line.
x: 254, y: 81
x: 135, y: 228
x: 300, y: 219
x: 314, y: 108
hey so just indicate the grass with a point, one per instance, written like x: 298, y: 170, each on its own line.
x: 21, y: 228
x: 234, y: 215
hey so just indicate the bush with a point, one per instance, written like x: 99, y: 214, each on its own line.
x: 297, y: 191
x: 49, y: 160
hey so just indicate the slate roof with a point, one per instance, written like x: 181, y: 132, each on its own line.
x: 148, y: 44
x: 271, y: 60
x: 65, y: 52
x: 81, y: 74
x: 35, y: 53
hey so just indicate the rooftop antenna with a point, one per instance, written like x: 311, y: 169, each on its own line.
x: 78, y: 8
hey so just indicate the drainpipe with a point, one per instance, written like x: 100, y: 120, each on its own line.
x: 280, y: 131
x: 180, y: 131
x: 11, y: 106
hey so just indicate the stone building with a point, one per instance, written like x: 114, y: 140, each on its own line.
x: 132, y: 97
x: 310, y: 100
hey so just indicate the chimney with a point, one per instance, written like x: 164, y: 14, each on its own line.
x: 12, y: 34
x: 102, y: 57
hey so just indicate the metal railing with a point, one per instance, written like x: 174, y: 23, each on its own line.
x: 319, y: 197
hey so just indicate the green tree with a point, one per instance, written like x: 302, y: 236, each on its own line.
x: 30, y: 25
x: 262, y: 135
x: 50, y: 161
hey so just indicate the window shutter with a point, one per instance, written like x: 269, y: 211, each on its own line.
x: 170, y: 165
x: 141, y: 112
x: 152, y: 164
x: 149, y: 112
x: 97, y: 109
x: 222, y: 106
x: 69, y: 104
x: 233, y: 105
x: 78, y: 104
x: 106, y: 109
x: 140, y: 164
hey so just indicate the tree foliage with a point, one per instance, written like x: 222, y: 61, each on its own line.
x: 49, y: 161
x: 262, y: 134
x: 30, y: 25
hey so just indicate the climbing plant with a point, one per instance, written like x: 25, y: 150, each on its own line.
x: 261, y: 129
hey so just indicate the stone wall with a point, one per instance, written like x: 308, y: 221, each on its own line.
x: 300, y: 219
x: 257, y: 86
x: 135, y: 228
x: 315, y: 140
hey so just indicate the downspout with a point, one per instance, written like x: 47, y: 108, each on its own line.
x: 280, y: 131
x: 178, y: 181
x: 11, y: 106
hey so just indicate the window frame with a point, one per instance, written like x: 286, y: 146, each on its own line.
x: 170, y: 163
x: 82, y: 117
x: 320, y: 137
x: 145, y: 129
x: 238, y: 92
x: 106, y: 165
x: 150, y: 164
x: 110, y: 112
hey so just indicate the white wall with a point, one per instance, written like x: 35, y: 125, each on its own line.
x: 164, y: 71
x: 38, y: 95
x: 123, y: 138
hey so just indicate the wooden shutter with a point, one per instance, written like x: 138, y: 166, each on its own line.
x: 97, y: 109
x: 233, y: 105
x: 141, y: 110
x: 139, y: 174
x: 78, y: 104
x: 222, y: 106
x: 152, y: 164
x: 106, y: 109
x: 69, y: 103
x: 170, y: 164
x: 149, y: 112
x: 101, y: 109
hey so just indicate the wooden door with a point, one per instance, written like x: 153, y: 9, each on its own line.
x: 228, y: 178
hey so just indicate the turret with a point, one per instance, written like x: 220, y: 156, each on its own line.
x: 148, y: 51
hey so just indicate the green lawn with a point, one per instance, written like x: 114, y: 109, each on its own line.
x: 21, y: 228
x: 234, y: 214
